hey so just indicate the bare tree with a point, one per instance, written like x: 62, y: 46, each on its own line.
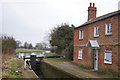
x: 42, y: 45
x: 18, y: 43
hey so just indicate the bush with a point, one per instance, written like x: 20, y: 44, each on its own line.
x: 8, y: 45
x: 63, y: 37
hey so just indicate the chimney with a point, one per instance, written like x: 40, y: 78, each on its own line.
x: 92, y: 11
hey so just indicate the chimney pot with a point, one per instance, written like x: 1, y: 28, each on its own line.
x: 93, y: 4
x: 90, y: 4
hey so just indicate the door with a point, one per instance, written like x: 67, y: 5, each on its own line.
x: 96, y: 60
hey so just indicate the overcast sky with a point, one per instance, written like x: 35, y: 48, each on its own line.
x: 31, y: 20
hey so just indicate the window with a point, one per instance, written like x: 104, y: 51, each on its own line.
x: 80, y: 54
x: 80, y: 35
x: 108, y: 57
x: 108, y: 28
x: 96, y: 31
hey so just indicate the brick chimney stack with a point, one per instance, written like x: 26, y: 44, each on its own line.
x: 92, y: 11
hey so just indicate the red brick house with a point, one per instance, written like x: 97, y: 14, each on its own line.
x: 97, y: 42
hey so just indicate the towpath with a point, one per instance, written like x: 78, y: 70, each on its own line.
x: 76, y: 70
x: 28, y: 74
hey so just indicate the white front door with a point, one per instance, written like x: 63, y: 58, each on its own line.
x: 96, y: 60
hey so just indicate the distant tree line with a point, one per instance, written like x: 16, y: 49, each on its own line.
x: 41, y: 46
x: 62, y: 37
x: 28, y: 45
x: 8, y: 44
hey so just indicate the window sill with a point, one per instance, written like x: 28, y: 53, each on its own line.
x: 79, y: 58
x: 105, y: 62
x: 108, y: 34
x: 96, y: 36
x: 80, y: 39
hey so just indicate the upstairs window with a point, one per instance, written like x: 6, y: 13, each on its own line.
x: 108, y: 28
x: 96, y: 31
x: 80, y: 53
x: 108, y: 57
x: 80, y: 35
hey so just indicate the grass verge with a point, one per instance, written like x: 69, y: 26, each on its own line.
x: 80, y: 65
x: 56, y: 59
x: 10, y: 64
x: 114, y: 74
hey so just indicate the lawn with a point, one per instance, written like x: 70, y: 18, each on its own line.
x: 27, y: 50
x: 51, y: 54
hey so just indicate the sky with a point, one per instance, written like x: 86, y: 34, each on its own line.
x: 32, y: 20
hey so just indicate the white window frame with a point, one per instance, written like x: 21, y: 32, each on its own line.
x: 108, y: 52
x: 80, y: 52
x: 80, y: 34
x: 108, y: 28
x: 96, y: 31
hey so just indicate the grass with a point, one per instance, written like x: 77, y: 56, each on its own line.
x: 51, y: 54
x: 101, y: 71
x: 59, y: 60
x: 56, y: 59
x: 14, y: 66
x: 26, y: 50
x: 114, y: 74
x: 81, y: 65
x: 10, y: 64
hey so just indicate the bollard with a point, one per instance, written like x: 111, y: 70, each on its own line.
x: 33, y: 61
x: 23, y: 57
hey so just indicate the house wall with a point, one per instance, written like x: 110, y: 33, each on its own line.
x: 86, y: 60
x: 119, y: 42
x: 102, y: 37
x: 104, y: 42
x: 108, y: 67
x: 82, y: 44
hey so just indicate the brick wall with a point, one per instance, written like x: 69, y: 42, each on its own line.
x: 108, y: 67
x: 88, y: 34
x: 102, y: 37
x: 119, y: 42
x: 85, y: 35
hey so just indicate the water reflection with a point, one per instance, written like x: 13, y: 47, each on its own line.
x: 38, y: 54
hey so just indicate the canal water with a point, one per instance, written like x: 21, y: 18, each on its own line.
x: 44, y: 70
x: 27, y: 54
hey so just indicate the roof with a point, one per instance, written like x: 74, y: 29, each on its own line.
x: 100, y: 18
x: 94, y: 43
